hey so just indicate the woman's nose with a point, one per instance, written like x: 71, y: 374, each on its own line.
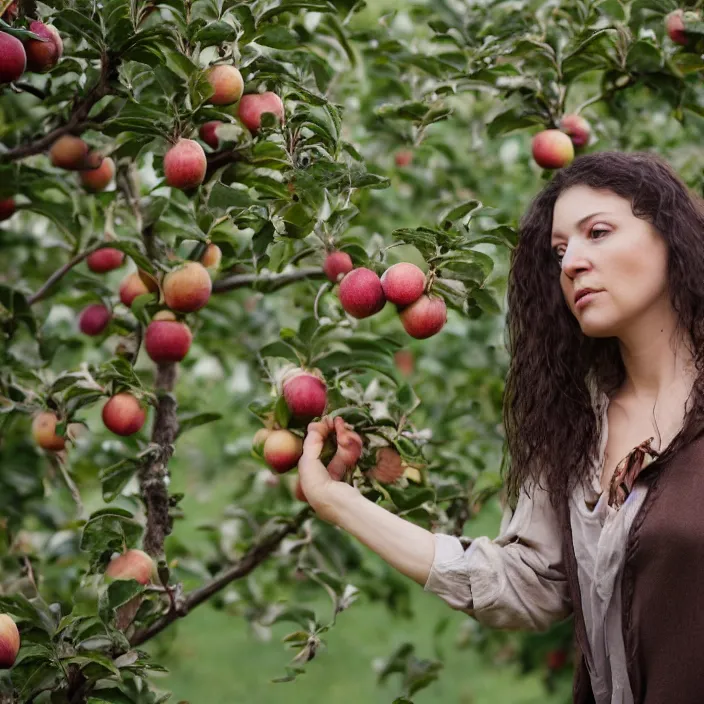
x: 575, y: 259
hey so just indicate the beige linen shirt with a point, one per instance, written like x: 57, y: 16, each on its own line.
x: 517, y: 581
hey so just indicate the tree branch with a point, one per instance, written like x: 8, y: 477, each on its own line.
x: 267, y: 282
x: 153, y: 473
x: 256, y: 554
x: 29, y: 88
x: 61, y: 272
x: 79, y: 113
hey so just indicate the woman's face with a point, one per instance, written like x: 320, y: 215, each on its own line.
x: 601, y: 245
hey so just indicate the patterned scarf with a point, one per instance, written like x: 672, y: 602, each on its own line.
x: 628, y: 470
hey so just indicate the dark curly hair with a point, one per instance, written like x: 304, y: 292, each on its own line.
x: 552, y: 430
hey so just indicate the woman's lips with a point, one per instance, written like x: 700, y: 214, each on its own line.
x: 586, y: 299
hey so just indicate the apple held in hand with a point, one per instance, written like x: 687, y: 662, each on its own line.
x: 306, y: 395
x: 282, y: 450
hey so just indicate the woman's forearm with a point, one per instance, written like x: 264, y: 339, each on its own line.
x: 407, y: 547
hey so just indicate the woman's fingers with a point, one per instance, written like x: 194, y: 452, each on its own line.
x: 349, y: 449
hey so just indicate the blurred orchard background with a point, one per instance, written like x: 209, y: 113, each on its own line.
x: 402, y: 132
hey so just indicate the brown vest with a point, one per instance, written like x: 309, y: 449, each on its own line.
x: 662, y: 587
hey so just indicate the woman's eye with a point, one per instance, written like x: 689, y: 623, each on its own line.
x: 599, y: 230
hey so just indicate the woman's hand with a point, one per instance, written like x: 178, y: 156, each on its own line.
x: 321, y: 485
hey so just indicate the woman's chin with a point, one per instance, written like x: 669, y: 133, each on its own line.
x: 596, y: 328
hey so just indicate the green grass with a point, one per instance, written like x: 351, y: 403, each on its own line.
x: 214, y: 660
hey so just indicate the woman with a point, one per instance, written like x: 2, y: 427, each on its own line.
x: 603, y: 412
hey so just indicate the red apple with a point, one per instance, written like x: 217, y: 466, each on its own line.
x: 13, y: 59
x: 282, y: 450
x: 556, y: 659
x: 254, y: 105
x: 361, y: 293
x: 99, y: 179
x: 403, y: 283
x: 405, y: 361
x: 259, y: 439
x: 306, y: 396
x: 211, y: 257
x: 577, y: 128
x: 337, y: 264
x: 105, y: 259
x: 403, y: 158
x: 187, y: 288
x: 166, y: 339
x: 123, y: 414
x: 94, y: 319
x: 73, y: 154
x: 44, y: 432
x: 389, y: 466
x: 674, y: 24
x: 227, y: 84
x: 552, y: 149
x: 133, y: 564
x: 134, y: 285
x: 185, y: 164
x: 425, y: 317
x: 7, y: 208
x: 208, y: 133
x: 42, y: 56
x: 9, y: 642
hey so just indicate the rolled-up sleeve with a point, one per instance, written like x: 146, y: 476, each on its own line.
x: 515, y: 581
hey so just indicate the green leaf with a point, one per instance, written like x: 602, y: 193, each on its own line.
x: 644, y: 57
x: 513, y: 119
x: 120, y: 592
x: 293, y: 6
x: 94, y: 658
x: 115, y: 478
x: 109, y: 696
x: 188, y: 421
x: 411, y: 497
x: 14, y: 307
x: 458, y: 212
x: 282, y: 413
x: 225, y: 198
x: 110, y: 529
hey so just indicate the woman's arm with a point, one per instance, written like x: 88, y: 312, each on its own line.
x: 407, y: 547
x: 515, y: 581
